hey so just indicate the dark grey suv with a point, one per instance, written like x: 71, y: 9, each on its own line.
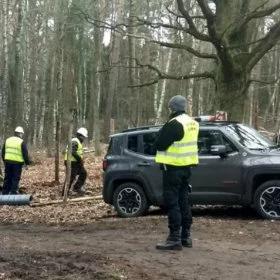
x: 237, y: 166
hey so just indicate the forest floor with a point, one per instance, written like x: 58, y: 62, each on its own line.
x: 87, y: 241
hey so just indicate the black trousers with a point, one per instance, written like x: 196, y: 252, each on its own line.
x: 176, y: 197
x: 12, y: 178
x: 77, y: 172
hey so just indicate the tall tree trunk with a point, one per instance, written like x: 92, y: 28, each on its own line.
x: 231, y: 90
x: 132, y: 55
x: 16, y: 112
x: 94, y: 89
x: 113, y: 75
x: 4, y: 82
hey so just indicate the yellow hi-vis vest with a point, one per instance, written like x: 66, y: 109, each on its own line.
x: 79, y: 151
x: 13, y: 149
x: 185, y: 151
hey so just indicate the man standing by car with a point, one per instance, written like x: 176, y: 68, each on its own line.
x: 177, y: 152
x: 77, y: 165
x: 14, y: 155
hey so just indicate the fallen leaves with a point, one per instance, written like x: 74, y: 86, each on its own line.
x: 38, y: 180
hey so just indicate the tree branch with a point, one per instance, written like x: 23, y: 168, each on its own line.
x: 206, y: 10
x: 219, y: 43
x: 180, y: 16
x: 192, y: 30
x: 145, y: 84
x: 263, y: 82
x: 210, y: 17
x: 202, y: 75
x: 186, y: 48
x: 265, y: 45
x: 246, y: 44
x: 262, y: 13
x: 162, y: 76
x: 172, y: 45
x: 254, y: 15
x: 161, y: 24
x: 173, y: 13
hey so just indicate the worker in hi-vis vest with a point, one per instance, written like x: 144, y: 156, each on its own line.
x: 77, y: 165
x: 14, y: 155
x: 176, y: 152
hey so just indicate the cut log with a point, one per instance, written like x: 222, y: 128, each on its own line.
x: 73, y: 200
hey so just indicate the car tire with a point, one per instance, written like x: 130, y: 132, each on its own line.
x: 130, y: 200
x: 267, y: 200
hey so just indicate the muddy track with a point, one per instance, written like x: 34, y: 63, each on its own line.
x: 224, y: 248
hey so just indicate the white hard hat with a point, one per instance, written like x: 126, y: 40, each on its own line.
x: 83, y: 131
x: 19, y: 129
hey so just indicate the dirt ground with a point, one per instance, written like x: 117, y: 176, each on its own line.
x: 87, y: 240
x: 225, y: 247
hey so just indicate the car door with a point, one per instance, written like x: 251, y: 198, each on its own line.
x: 216, y: 179
x: 143, y: 163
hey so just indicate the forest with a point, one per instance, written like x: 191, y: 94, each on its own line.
x: 110, y: 65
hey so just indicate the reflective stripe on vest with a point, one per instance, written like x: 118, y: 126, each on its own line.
x: 185, y: 151
x: 13, y: 150
x: 79, y: 150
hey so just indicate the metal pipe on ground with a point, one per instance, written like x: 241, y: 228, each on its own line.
x: 15, y: 199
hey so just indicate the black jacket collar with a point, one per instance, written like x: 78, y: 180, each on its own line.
x: 176, y: 114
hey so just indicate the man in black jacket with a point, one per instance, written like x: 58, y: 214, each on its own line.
x: 14, y: 155
x: 177, y: 152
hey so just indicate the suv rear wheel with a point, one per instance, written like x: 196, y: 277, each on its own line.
x: 267, y: 200
x: 130, y: 200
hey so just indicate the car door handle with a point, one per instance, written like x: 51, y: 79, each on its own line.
x: 144, y: 164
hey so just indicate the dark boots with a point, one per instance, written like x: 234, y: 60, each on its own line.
x: 186, y: 239
x: 173, y: 242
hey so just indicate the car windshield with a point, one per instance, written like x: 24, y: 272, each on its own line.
x: 249, y: 137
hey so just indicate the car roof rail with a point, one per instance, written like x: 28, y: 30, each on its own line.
x: 220, y: 123
x: 201, y: 120
x: 142, y: 128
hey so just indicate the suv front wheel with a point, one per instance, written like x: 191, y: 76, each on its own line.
x: 267, y: 200
x: 130, y: 200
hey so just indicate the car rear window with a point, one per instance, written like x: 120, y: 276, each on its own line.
x: 142, y: 143
x: 115, y: 145
x: 132, y: 143
x: 149, y: 141
x: 110, y: 147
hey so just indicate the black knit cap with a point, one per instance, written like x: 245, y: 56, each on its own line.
x: 177, y: 103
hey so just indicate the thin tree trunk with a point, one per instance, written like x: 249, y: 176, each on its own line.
x: 97, y: 85
x: 69, y: 153
x: 5, y: 77
x: 163, y: 89
x: 57, y: 145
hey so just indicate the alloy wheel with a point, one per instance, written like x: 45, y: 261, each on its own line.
x: 270, y: 201
x: 129, y: 200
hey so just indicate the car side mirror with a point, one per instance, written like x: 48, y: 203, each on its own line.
x: 219, y: 150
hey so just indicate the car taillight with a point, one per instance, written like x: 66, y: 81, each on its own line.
x: 104, y: 164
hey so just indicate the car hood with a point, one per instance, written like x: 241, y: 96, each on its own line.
x: 267, y: 158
